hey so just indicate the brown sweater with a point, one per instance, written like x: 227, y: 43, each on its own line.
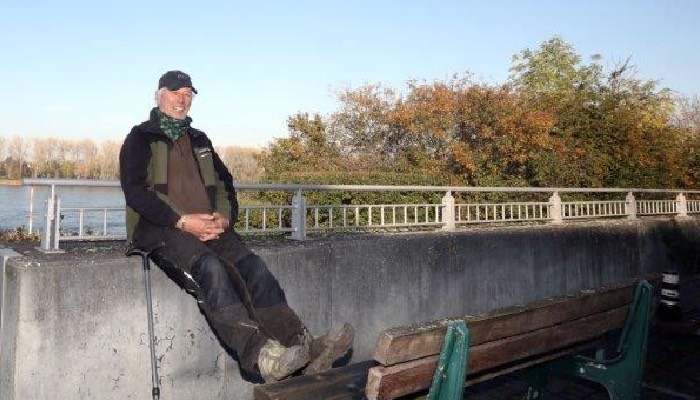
x: 185, y: 185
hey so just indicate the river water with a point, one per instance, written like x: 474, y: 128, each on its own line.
x: 15, y: 206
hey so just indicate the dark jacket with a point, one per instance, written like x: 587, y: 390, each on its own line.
x: 149, y: 199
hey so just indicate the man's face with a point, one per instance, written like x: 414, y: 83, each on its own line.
x: 176, y: 104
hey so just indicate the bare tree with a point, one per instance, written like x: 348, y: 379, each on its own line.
x: 88, y: 162
x: 2, y: 148
x: 17, y: 155
x: 242, y: 163
x: 108, y: 160
x: 43, y: 158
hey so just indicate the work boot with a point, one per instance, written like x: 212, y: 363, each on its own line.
x: 329, y: 347
x: 277, y: 362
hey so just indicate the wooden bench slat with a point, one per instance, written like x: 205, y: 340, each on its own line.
x: 395, y: 387
x: 346, y: 383
x: 575, y: 349
x: 385, y: 383
x: 408, y: 343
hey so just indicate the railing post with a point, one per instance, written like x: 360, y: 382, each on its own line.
x: 631, y: 206
x: 681, y: 206
x: 31, y: 209
x: 57, y: 226
x: 298, y: 217
x: 48, y: 223
x: 448, y: 212
x: 555, y: 209
x: 49, y: 238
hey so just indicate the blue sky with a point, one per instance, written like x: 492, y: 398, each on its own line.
x: 88, y: 69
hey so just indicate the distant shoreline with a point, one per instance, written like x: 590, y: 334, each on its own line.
x: 10, y: 182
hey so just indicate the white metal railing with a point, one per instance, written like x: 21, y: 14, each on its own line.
x: 353, y: 217
x: 656, y: 207
x: 593, y: 209
x: 504, y: 212
x: 297, y: 218
x: 101, y: 232
x: 693, y: 206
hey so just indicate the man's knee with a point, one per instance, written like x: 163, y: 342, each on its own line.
x: 262, y: 284
x: 214, y: 284
x: 254, y: 271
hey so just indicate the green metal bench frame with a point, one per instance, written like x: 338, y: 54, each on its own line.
x: 621, y: 375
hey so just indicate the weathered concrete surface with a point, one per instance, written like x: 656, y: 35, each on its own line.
x: 76, y: 322
x: 80, y: 333
x: 5, y: 254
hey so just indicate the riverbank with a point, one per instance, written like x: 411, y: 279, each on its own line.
x: 10, y: 182
x: 17, y: 235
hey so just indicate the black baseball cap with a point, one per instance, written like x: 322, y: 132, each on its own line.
x: 174, y: 80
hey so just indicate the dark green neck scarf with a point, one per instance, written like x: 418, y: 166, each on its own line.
x: 172, y: 127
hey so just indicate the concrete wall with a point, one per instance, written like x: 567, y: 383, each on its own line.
x: 75, y: 323
x: 5, y: 254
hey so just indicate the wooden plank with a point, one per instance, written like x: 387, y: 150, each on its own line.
x: 345, y: 383
x: 403, y: 344
x: 419, y: 370
x: 522, y: 364
x: 385, y: 383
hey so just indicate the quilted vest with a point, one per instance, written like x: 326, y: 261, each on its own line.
x: 157, y: 178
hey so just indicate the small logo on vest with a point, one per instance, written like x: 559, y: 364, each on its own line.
x: 202, y: 151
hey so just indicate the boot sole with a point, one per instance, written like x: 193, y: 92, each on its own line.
x: 293, y: 359
x: 298, y: 358
x: 339, y: 344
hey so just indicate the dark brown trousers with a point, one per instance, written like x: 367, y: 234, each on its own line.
x: 242, y: 300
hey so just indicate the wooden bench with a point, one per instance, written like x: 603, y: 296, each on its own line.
x: 406, y: 358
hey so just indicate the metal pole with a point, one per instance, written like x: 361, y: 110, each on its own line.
x: 56, y: 225
x: 48, y: 225
x: 151, y: 337
x: 31, y: 208
x: 132, y: 251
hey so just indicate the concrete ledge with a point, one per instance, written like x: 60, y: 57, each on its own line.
x: 75, y: 323
x: 5, y: 254
x: 80, y: 332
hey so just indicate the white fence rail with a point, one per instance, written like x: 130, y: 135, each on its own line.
x: 504, y: 212
x: 656, y: 207
x: 91, y: 232
x: 593, y: 209
x: 297, y: 219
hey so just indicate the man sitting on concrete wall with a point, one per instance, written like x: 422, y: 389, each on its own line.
x: 181, y: 205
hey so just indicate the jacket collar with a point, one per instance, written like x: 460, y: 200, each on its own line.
x: 153, y: 126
